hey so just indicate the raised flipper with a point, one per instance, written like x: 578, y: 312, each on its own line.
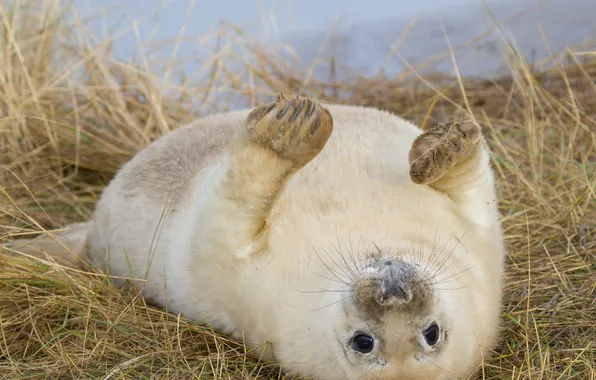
x: 451, y: 158
x: 279, y: 139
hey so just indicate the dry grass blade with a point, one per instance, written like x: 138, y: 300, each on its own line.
x: 72, y: 114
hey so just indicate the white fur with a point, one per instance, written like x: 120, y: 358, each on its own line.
x: 355, y: 196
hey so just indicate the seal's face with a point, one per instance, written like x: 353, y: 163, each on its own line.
x: 395, y: 326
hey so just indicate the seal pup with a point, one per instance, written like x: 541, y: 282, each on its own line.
x: 356, y: 244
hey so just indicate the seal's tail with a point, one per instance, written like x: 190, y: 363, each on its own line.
x: 66, y: 247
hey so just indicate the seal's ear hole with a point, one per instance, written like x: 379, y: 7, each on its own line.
x: 432, y: 334
x: 362, y: 343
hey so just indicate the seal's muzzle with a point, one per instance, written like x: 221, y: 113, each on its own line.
x: 389, y: 283
x: 395, y: 277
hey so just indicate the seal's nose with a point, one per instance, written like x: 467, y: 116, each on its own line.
x: 395, y: 287
x: 388, y: 283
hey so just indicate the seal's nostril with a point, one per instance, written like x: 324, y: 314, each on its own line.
x: 402, y: 292
x: 387, y: 262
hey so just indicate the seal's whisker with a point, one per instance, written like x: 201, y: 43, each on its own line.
x: 435, y: 243
x: 343, y: 281
x: 421, y: 257
x: 333, y: 303
x: 350, y: 249
x: 340, y: 268
x: 323, y: 291
x: 423, y: 366
x: 441, y: 282
x: 451, y: 375
x: 445, y: 259
x: 435, y: 258
x: 410, y: 255
x: 459, y: 243
x: 461, y: 287
x: 330, y: 279
x: 443, y: 262
x: 440, y: 271
x: 339, y: 251
x: 437, y: 298
x: 356, y: 255
x: 454, y: 275
x: 359, y: 255
x: 412, y: 252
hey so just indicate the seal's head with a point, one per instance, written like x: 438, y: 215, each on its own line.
x: 402, y: 318
x: 393, y: 323
x: 400, y: 324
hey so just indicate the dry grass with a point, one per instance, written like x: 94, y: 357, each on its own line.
x: 71, y: 114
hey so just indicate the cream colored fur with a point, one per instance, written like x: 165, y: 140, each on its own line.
x: 268, y: 247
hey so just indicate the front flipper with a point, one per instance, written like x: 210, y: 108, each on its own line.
x: 279, y: 139
x: 450, y: 158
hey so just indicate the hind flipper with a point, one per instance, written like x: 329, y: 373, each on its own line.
x: 65, y: 246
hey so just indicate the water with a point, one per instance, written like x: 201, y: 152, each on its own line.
x: 364, y: 30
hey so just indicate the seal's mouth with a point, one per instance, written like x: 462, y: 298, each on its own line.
x: 388, y: 283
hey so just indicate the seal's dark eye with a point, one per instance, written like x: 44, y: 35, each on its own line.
x: 363, y: 343
x: 431, y: 334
